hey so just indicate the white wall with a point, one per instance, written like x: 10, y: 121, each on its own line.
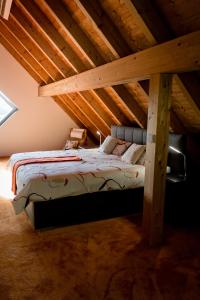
x: 39, y: 124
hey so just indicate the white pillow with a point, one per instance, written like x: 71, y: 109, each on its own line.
x: 133, y: 153
x: 141, y: 160
x: 108, y: 144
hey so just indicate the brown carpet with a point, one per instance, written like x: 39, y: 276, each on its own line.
x: 100, y: 260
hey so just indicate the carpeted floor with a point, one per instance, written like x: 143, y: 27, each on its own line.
x: 100, y: 260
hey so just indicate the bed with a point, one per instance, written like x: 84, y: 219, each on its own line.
x: 97, y: 186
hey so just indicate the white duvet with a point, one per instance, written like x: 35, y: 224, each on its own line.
x: 96, y: 172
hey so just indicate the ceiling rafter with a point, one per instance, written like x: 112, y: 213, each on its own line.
x: 43, y: 45
x: 109, y: 35
x: 159, y: 31
x: 27, y: 59
x: 88, y: 106
x: 59, y: 39
x: 53, y: 37
x: 84, y: 44
x: 18, y: 45
x: 20, y: 58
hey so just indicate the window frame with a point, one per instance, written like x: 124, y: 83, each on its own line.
x: 13, y: 107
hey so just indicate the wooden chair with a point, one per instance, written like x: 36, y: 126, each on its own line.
x: 78, y: 134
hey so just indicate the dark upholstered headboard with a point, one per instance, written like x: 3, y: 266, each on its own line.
x: 138, y: 136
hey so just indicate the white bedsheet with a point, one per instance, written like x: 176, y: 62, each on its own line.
x: 95, y: 172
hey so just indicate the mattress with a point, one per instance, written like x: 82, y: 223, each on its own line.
x: 96, y: 172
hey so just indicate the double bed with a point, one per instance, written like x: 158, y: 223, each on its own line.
x: 98, y: 185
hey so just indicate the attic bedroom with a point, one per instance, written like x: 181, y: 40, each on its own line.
x: 100, y: 149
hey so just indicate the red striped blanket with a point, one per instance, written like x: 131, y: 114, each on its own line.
x: 35, y: 161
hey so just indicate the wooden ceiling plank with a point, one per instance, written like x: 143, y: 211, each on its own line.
x: 118, y: 115
x: 150, y: 17
x: 88, y: 96
x: 19, y: 58
x: 176, y: 125
x: 188, y: 95
x: 53, y: 74
x: 115, y: 42
x: 80, y: 102
x: 23, y: 52
x: 83, y: 117
x: 105, y: 28
x: 132, y: 106
x: 119, y: 48
x: 151, y: 23
x: 71, y: 28
x: 27, y: 58
x: 47, y: 28
x: 178, y: 55
x: 32, y: 47
x: 87, y: 48
x: 97, y: 106
x: 51, y: 34
x: 91, y: 113
x: 35, y: 35
x: 31, y: 71
x: 191, y: 84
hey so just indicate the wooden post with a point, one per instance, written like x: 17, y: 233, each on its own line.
x: 156, y: 157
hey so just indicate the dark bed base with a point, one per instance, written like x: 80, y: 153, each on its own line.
x: 84, y: 208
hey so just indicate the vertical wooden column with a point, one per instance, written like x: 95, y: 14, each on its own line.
x: 156, y: 156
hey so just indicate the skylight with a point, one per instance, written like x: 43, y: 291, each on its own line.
x: 7, y: 108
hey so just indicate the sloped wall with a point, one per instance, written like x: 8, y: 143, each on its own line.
x: 39, y: 124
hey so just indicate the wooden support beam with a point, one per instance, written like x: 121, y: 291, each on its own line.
x: 41, y: 72
x: 156, y: 156
x: 72, y: 112
x: 86, y: 47
x: 157, y: 30
x: 117, y: 44
x: 86, y: 106
x: 35, y: 69
x: 49, y: 35
x: 179, y: 55
x: 104, y: 27
x: 10, y: 48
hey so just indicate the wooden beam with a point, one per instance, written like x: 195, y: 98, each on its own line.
x: 36, y: 70
x: 156, y: 156
x: 5, y: 6
x: 51, y: 35
x: 10, y: 48
x: 24, y: 53
x: 72, y: 112
x: 86, y: 106
x: 104, y: 27
x: 118, y: 47
x: 117, y: 44
x: 148, y: 14
x: 179, y: 55
x: 86, y: 47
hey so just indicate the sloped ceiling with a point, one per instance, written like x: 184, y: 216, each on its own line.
x: 57, y: 39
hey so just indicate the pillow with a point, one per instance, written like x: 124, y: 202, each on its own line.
x: 71, y: 145
x: 133, y: 153
x: 121, y: 147
x: 141, y: 160
x: 108, y: 144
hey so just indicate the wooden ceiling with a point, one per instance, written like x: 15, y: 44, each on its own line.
x: 53, y: 40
